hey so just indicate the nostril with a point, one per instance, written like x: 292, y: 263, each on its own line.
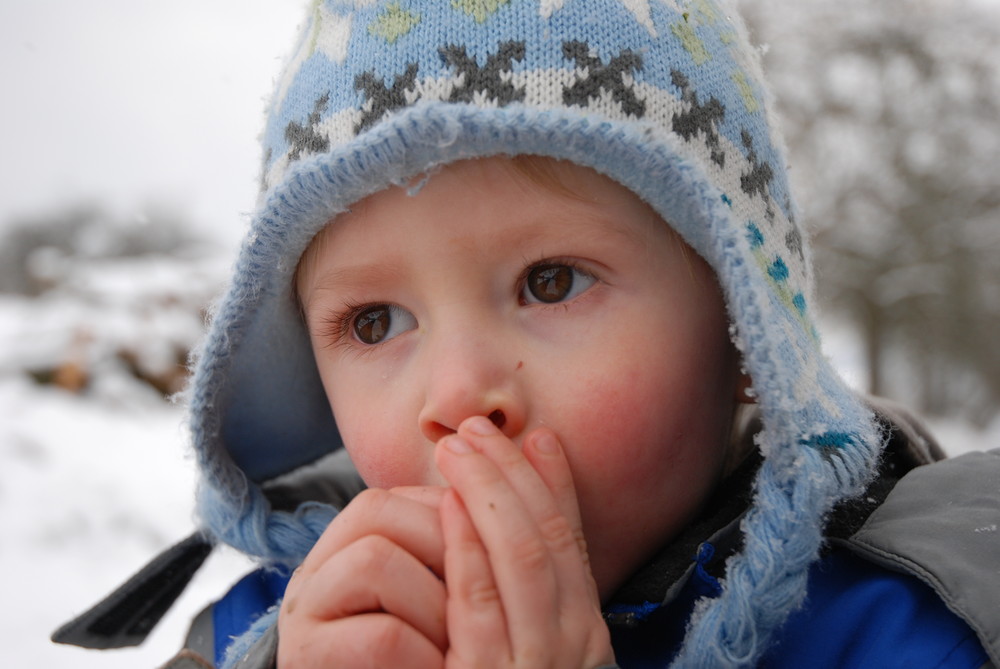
x: 497, y: 418
x: 436, y: 431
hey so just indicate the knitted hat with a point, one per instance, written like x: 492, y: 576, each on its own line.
x: 665, y: 97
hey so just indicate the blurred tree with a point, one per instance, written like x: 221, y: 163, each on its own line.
x: 103, y: 299
x: 891, y: 110
x: 38, y: 251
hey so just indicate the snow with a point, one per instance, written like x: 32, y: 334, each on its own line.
x: 95, y: 482
x: 160, y: 105
x: 90, y: 490
x: 958, y: 437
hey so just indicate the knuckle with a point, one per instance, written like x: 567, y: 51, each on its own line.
x: 371, y: 500
x: 289, y: 603
x: 481, y: 593
x: 359, y: 513
x: 532, y: 656
x: 386, y: 637
x: 530, y: 554
x: 372, y: 553
x: 558, y: 533
x: 299, y: 583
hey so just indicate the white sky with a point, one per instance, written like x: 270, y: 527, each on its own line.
x: 132, y: 102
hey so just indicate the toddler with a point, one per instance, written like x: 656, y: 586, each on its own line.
x: 531, y: 270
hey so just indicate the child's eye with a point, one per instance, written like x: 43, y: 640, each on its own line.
x: 380, y: 322
x: 553, y: 282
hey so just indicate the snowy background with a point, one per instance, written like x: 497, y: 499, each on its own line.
x: 128, y: 173
x: 129, y: 168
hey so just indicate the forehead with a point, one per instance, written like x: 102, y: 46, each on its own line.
x: 525, y: 198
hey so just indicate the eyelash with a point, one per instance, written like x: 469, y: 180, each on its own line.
x: 336, y: 328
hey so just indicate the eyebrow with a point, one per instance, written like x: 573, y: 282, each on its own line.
x: 358, y: 276
x: 347, y: 280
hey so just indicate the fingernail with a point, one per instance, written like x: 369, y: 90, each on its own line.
x: 480, y: 425
x: 546, y: 444
x: 457, y: 445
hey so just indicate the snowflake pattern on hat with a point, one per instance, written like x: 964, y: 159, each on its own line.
x: 375, y: 60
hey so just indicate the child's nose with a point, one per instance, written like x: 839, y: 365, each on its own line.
x: 441, y: 416
x: 466, y: 383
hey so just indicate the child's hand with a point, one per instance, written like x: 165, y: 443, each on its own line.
x: 364, y: 596
x: 520, y: 590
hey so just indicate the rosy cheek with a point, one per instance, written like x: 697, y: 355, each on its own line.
x: 638, y: 434
x: 608, y: 430
x: 377, y: 468
x: 387, y: 457
x: 369, y: 443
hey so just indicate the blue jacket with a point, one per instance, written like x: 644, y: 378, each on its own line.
x: 857, y: 615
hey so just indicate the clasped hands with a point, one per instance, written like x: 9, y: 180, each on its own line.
x: 491, y: 571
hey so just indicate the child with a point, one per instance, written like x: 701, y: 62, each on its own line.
x: 537, y: 258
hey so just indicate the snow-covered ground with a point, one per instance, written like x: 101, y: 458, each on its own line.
x: 96, y: 477
x: 89, y: 491
x: 95, y: 483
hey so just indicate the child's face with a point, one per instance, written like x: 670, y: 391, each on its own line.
x: 567, y: 305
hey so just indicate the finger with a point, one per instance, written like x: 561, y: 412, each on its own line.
x: 370, y: 641
x: 547, y: 457
x: 476, y: 625
x: 541, y: 477
x: 424, y: 494
x: 519, y: 557
x: 405, y: 518
x: 373, y: 575
x: 579, y: 596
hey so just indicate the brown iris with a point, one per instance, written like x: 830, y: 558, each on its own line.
x: 371, y: 324
x: 550, y: 283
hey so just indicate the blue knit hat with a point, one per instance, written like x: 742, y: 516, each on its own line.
x: 663, y: 96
